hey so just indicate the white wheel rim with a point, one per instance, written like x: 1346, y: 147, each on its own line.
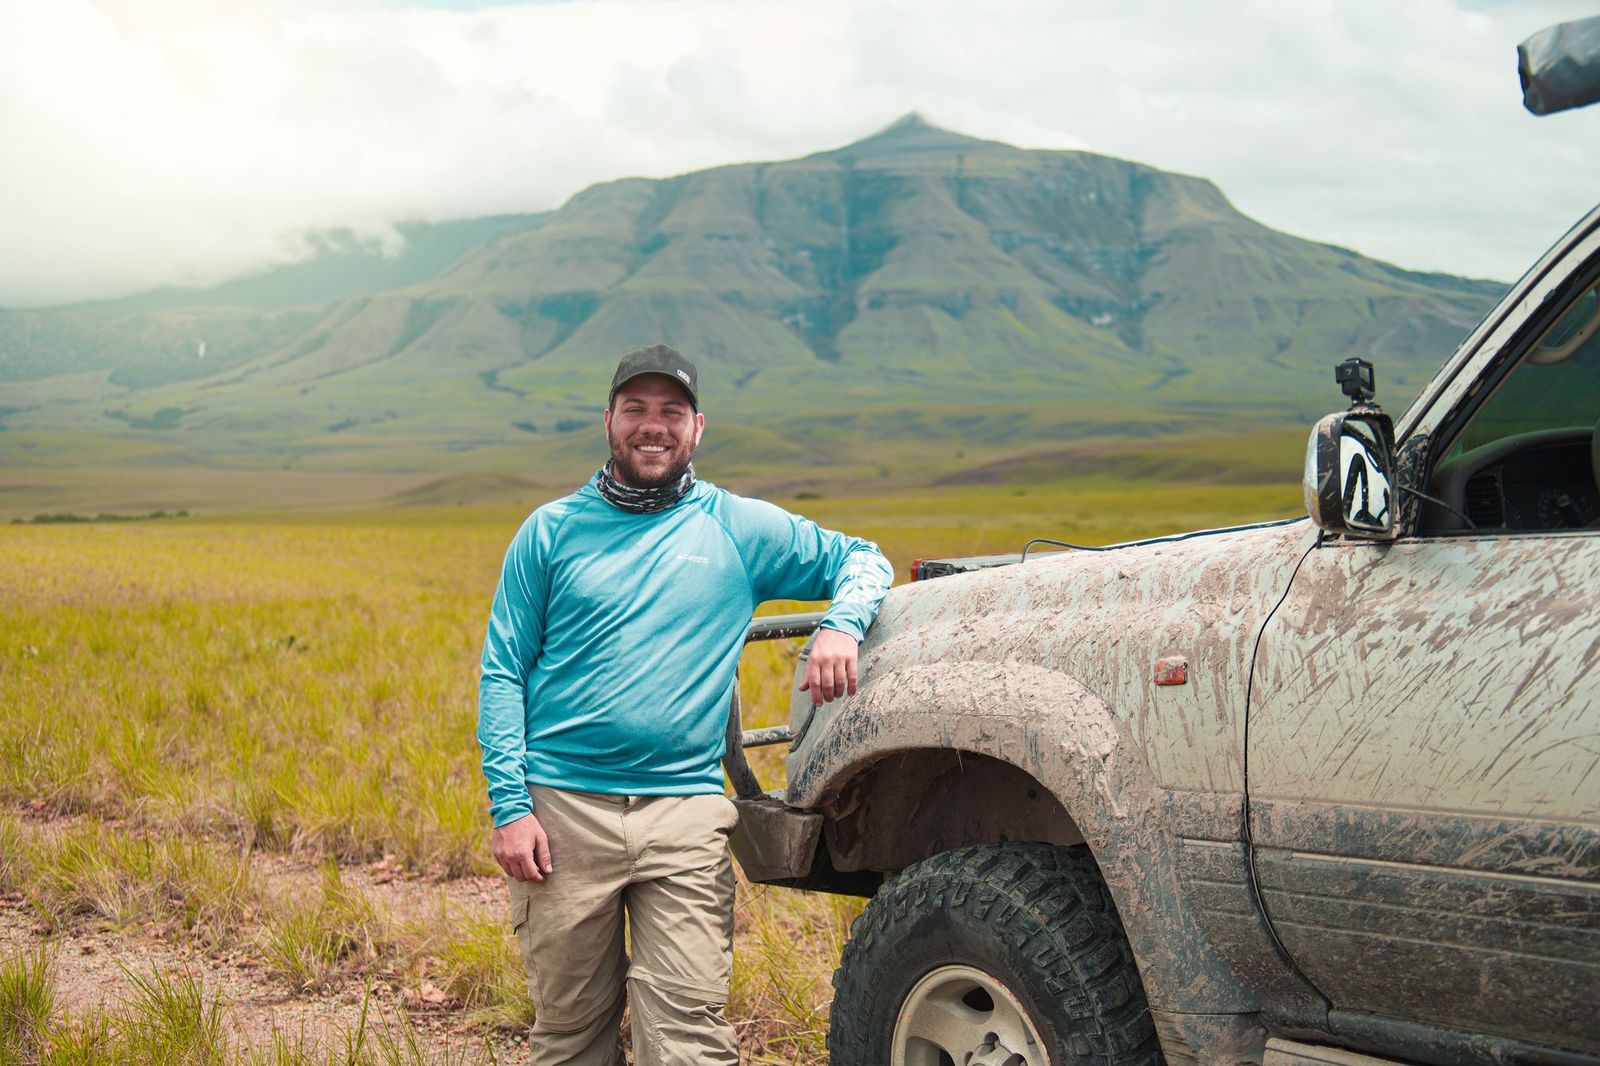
x: 967, y: 1015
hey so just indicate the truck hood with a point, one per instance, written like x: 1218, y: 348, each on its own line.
x: 1101, y: 619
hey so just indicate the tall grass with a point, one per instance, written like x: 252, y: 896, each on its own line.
x: 171, y: 1020
x: 172, y: 1013
x: 121, y: 880
x: 312, y: 941
x: 312, y: 686
x: 789, y: 944
x: 13, y: 868
x: 291, y: 687
x: 211, y: 688
x: 313, y: 937
x: 27, y: 1006
x: 478, y: 966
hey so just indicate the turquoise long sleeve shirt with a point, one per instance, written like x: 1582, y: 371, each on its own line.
x: 614, y: 637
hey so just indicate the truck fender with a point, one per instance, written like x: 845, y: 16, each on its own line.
x: 1051, y: 727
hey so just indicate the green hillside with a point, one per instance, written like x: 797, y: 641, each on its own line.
x: 892, y: 303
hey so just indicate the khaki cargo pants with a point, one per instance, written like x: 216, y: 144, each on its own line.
x: 664, y: 861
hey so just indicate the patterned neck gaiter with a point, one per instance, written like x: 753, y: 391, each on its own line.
x: 643, y: 501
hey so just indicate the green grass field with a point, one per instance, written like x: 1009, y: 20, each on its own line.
x: 183, y: 692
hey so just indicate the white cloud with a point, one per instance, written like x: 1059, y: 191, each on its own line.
x: 145, y: 143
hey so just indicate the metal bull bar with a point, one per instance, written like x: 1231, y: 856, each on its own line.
x: 776, y: 627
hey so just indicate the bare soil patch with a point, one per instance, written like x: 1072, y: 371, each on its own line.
x: 95, y: 965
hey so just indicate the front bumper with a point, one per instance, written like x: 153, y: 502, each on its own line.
x: 781, y: 845
x: 773, y: 841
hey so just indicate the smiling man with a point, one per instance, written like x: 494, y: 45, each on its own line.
x: 607, y: 675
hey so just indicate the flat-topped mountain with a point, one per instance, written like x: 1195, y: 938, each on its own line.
x: 917, y: 282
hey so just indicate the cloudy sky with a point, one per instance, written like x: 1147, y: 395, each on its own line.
x: 149, y: 142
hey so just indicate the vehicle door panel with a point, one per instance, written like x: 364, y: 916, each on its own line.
x: 1424, y: 734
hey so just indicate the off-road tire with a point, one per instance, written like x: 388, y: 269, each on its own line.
x: 1035, y: 917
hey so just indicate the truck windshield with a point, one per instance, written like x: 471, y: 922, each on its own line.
x: 1556, y: 386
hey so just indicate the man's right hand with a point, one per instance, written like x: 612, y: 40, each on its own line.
x: 522, y: 849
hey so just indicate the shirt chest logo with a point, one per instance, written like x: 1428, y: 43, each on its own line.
x: 700, y: 559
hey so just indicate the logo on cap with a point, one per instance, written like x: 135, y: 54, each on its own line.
x: 656, y: 359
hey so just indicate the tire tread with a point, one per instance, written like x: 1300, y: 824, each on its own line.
x: 1055, y: 900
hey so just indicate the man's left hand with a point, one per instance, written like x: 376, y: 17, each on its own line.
x: 830, y: 667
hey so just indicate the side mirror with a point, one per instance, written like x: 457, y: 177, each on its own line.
x: 1349, y: 482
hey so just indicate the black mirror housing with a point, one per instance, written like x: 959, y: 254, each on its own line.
x: 1349, y: 477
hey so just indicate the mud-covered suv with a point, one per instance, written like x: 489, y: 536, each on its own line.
x: 1316, y: 791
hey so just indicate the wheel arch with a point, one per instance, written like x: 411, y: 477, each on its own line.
x: 1002, y: 729
x: 912, y: 804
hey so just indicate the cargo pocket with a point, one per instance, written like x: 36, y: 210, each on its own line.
x: 520, y: 906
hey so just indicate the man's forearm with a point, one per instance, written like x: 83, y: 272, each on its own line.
x: 863, y: 579
x: 502, y: 736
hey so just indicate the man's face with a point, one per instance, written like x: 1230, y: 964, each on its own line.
x: 652, y: 429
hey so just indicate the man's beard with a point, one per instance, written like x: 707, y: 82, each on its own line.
x: 625, y: 470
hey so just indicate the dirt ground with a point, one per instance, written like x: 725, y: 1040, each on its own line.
x: 92, y: 968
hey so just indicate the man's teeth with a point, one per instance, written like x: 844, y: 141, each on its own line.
x: 653, y: 449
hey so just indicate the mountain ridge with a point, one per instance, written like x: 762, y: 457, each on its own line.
x: 910, y: 269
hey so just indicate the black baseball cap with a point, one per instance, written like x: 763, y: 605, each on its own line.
x: 657, y: 359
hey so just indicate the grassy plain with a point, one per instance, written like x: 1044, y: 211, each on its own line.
x: 185, y: 693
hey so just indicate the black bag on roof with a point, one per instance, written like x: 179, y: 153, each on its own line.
x: 1560, y: 66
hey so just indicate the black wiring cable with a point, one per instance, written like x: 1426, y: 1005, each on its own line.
x: 1244, y: 809
x: 1065, y: 544
x: 1440, y: 503
x: 1247, y: 836
x: 1173, y: 539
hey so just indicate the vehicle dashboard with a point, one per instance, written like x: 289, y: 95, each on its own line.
x: 1532, y: 481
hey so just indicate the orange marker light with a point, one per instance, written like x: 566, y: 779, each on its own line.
x: 1172, y: 670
